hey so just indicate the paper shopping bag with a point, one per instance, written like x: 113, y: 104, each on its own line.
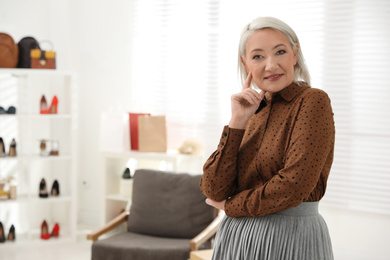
x: 152, y: 134
x: 133, y: 121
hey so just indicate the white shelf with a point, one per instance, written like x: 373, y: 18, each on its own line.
x: 39, y: 72
x: 170, y: 155
x: 37, y: 157
x: 36, y: 116
x: 24, y: 90
x: 117, y: 197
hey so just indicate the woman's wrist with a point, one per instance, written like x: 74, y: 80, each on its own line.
x: 237, y: 124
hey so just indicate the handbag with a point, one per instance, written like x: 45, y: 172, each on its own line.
x: 25, y: 46
x: 152, y: 134
x: 9, y: 51
x: 43, y: 59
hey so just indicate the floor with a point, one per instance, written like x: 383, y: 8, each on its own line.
x: 80, y: 250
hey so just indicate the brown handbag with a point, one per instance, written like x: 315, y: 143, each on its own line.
x: 9, y: 51
x: 43, y: 59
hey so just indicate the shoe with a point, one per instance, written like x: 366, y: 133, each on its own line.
x: 45, y: 230
x: 43, y: 147
x: 54, y: 105
x: 2, y: 148
x: 44, y: 109
x: 2, y: 236
x: 10, y: 110
x: 56, y: 230
x: 12, y: 148
x: 42, y: 189
x: 54, y: 148
x: 11, y: 234
x: 126, y: 174
x: 55, y: 189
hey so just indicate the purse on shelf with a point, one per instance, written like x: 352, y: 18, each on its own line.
x: 25, y: 45
x: 41, y: 59
x: 9, y: 51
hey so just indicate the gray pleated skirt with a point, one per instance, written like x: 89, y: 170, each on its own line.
x: 298, y: 233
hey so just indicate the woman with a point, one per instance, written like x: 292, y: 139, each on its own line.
x: 273, y: 160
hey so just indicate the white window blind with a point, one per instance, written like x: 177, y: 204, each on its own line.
x: 183, y: 65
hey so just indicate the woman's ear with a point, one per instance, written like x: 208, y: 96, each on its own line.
x: 243, y: 62
x: 296, y: 51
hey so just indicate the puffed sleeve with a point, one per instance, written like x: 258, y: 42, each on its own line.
x: 220, y: 170
x: 307, y: 162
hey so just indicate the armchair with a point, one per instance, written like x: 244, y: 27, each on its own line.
x: 167, y: 219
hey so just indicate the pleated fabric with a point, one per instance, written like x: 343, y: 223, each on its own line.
x: 299, y: 233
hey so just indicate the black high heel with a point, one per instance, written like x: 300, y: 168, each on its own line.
x: 11, y: 234
x: 2, y: 236
x: 55, y: 189
x: 2, y: 148
x: 43, y: 189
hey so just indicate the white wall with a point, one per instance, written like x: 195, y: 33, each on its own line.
x: 100, y: 35
x: 92, y: 38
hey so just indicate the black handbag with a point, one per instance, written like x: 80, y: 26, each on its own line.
x: 25, y: 46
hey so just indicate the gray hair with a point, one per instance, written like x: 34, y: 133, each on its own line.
x: 300, y: 69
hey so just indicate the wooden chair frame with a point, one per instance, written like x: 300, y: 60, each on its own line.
x: 195, y: 242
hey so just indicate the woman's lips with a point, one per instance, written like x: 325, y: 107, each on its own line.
x: 273, y: 77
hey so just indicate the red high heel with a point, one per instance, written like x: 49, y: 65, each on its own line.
x: 45, y: 230
x: 53, y: 106
x: 56, y: 230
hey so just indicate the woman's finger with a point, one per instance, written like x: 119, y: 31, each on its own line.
x: 247, y: 82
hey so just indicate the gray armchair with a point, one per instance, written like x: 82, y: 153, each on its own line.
x: 168, y: 218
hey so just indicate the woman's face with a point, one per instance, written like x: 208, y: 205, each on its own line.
x: 270, y: 59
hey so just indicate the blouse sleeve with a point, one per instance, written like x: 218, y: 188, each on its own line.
x: 220, y: 171
x: 307, y: 162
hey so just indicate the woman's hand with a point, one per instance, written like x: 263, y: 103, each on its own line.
x: 216, y: 204
x: 244, y: 104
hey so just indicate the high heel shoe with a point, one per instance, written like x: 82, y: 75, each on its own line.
x: 56, y: 230
x: 42, y: 189
x: 2, y: 236
x: 2, y: 148
x: 45, y: 230
x: 11, y: 234
x: 55, y: 189
x: 43, y: 108
x: 53, y: 105
x: 12, y: 148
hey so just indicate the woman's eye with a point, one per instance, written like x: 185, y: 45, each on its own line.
x: 280, y: 52
x: 256, y: 57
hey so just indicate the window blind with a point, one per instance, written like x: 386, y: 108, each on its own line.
x: 184, y: 65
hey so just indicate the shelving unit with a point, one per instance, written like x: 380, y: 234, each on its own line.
x: 114, y: 164
x: 23, y: 89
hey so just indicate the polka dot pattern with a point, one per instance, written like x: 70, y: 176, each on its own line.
x: 282, y: 158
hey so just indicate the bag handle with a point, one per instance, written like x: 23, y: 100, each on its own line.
x: 48, y: 42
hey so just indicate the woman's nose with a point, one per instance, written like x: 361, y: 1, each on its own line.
x: 271, y: 64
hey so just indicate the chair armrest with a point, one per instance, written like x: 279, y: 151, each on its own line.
x: 207, y: 233
x: 109, y: 226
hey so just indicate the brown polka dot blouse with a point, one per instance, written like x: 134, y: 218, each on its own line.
x: 282, y: 158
